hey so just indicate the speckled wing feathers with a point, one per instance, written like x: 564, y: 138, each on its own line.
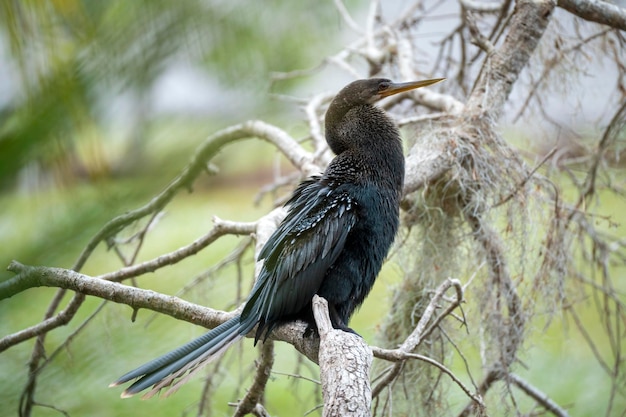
x: 298, y: 254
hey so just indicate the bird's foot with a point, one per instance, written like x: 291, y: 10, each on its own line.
x: 311, y: 331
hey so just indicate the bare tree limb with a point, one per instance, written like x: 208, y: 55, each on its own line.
x: 133, y: 297
x: 512, y: 328
x: 50, y: 322
x: 422, y: 328
x: 345, y: 361
x: 341, y: 8
x: 541, y: 397
x: 428, y: 161
x: 481, y: 6
x: 478, y: 38
x: 147, y: 299
x: 597, y: 11
x: 502, y: 68
x: 397, y: 355
x: 22, y: 282
x: 254, y: 128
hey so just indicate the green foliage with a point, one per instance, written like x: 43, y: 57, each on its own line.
x: 73, y: 58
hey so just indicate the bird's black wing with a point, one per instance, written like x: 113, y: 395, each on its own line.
x: 300, y: 251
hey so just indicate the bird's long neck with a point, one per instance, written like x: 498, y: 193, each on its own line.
x: 367, y: 143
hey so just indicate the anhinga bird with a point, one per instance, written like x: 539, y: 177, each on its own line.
x: 333, y: 241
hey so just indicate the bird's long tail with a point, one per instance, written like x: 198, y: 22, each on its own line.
x: 169, y: 370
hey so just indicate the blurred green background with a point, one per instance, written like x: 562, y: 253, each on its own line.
x: 101, y: 105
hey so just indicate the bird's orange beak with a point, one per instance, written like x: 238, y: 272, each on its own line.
x: 395, y: 88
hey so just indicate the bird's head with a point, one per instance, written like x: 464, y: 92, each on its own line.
x: 351, y: 117
x: 369, y: 91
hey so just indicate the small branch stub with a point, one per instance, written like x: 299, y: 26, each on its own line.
x: 345, y: 360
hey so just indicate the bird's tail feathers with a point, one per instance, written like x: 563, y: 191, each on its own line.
x: 163, y: 371
x: 175, y: 380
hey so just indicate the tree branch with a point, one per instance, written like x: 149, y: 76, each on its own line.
x: 481, y: 6
x: 123, y: 294
x: 397, y: 355
x: 24, y: 281
x: 501, y: 69
x: 300, y: 158
x: 147, y: 299
x: 345, y: 360
x: 423, y: 328
x: 429, y: 159
x: 596, y: 11
x: 510, y: 325
x: 312, y: 111
x: 49, y: 323
x: 537, y: 395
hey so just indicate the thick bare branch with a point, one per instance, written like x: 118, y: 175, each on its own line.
x: 289, y: 147
x: 133, y: 297
x: 502, y: 68
x: 345, y: 361
x: 596, y: 11
x: 147, y: 299
x: 429, y: 159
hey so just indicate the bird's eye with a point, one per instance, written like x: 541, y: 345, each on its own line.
x: 383, y: 86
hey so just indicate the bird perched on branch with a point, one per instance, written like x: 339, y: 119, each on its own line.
x: 333, y: 241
